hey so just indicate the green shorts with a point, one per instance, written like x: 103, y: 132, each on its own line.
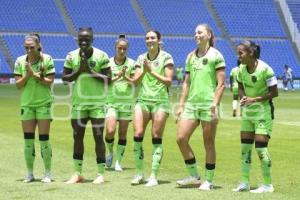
x: 194, y: 112
x: 30, y: 113
x: 262, y: 127
x: 153, y: 107
x: 81, y: 112
x: 257, y: 118
x: 120, y: 111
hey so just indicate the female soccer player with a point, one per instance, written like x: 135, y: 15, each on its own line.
x: 88, y: 67
x: 34, y: 73
x: 234, y: 88
x: 257, y: 87
x: 202, y: 90
x: 120, y: 101
x: 154, y: 69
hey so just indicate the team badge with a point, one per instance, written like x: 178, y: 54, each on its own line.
x: 204, y: 61
x: 254, y: 79
x: 155, y: 64
x: 92, y: 64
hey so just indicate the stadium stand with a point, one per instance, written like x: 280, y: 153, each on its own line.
x: 30, y: 15
x: 256, y: 18
x: 294, y: 6
x: 176, y: 20
x: 4, y: 67
x: 177, y: 17
x: 115, y: 16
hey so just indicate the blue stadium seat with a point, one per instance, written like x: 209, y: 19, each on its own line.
x: 30, y: 15
x: 4, y: 67
x: 177, y: 17
x: 115, y: 16
x: 255, y: 18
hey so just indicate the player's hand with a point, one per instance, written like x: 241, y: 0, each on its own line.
x: 147, y: 67
x: 84, y: 66
x: 178, y: 113
x: 28, y: 69
x: 247, y: 101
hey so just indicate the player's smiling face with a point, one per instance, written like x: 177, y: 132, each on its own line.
x: 201, y: 35
x: 85, y: 40
x: 152, y: 41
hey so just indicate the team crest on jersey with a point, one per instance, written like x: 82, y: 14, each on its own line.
x: 155, y: 64
x: 254, y: 79
x: 92, y: 64
x: 204, y: 61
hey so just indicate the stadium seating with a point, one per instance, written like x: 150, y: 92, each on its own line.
x: 4, y: 67
x: 176, y: 20
x: 255, y: 18
x: 30, y: 15
x: 177, y: 17
x: 294, y: 6
x: 115, y: 16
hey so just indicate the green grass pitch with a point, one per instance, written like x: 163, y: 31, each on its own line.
x: 284, y: 148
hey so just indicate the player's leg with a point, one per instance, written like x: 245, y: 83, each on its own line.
x: 98, y: 127
x: 141, y: 118
x: 111, y: 124
x: 122, y: 131
x: 78, y: 126
x: 28, y: 127
x: 186, y: 127
x: 159, y: 119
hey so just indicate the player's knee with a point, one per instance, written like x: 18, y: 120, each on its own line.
x: 182, y: 140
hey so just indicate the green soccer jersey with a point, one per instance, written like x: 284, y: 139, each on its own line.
x: 34, y: 94
x: 202, y: 72
x: 151, y: 88
x: 179, y: 73
x: 234, y: 73
x: 87, y: 90
x: 121, y: 90
x: 257, y: 83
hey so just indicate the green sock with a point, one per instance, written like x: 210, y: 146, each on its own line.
x: 209, y: 171
x: 156, y: 158
x: 101, y: 168
x: 110, y: 145
x: 265, y: 161
x: 246, y: 162
x: 77, y: 166
x: 46, y: 152
x: 120, y: 152
x: 138, y: 156
x: 192, y: 169
x: 29, y: 153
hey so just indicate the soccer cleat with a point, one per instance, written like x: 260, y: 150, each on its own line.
x: 109, y: 160
x: 29, y: 178
x: 137, y: 179
x: 118, y: 167
x: 206, y: 186
x: 75, y: 179
x: 190, y: 180
x: 242, y: 187
x: 99, y: 179
x: 152, y: 181
x: 47, y: 178
x: 263, y: 189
